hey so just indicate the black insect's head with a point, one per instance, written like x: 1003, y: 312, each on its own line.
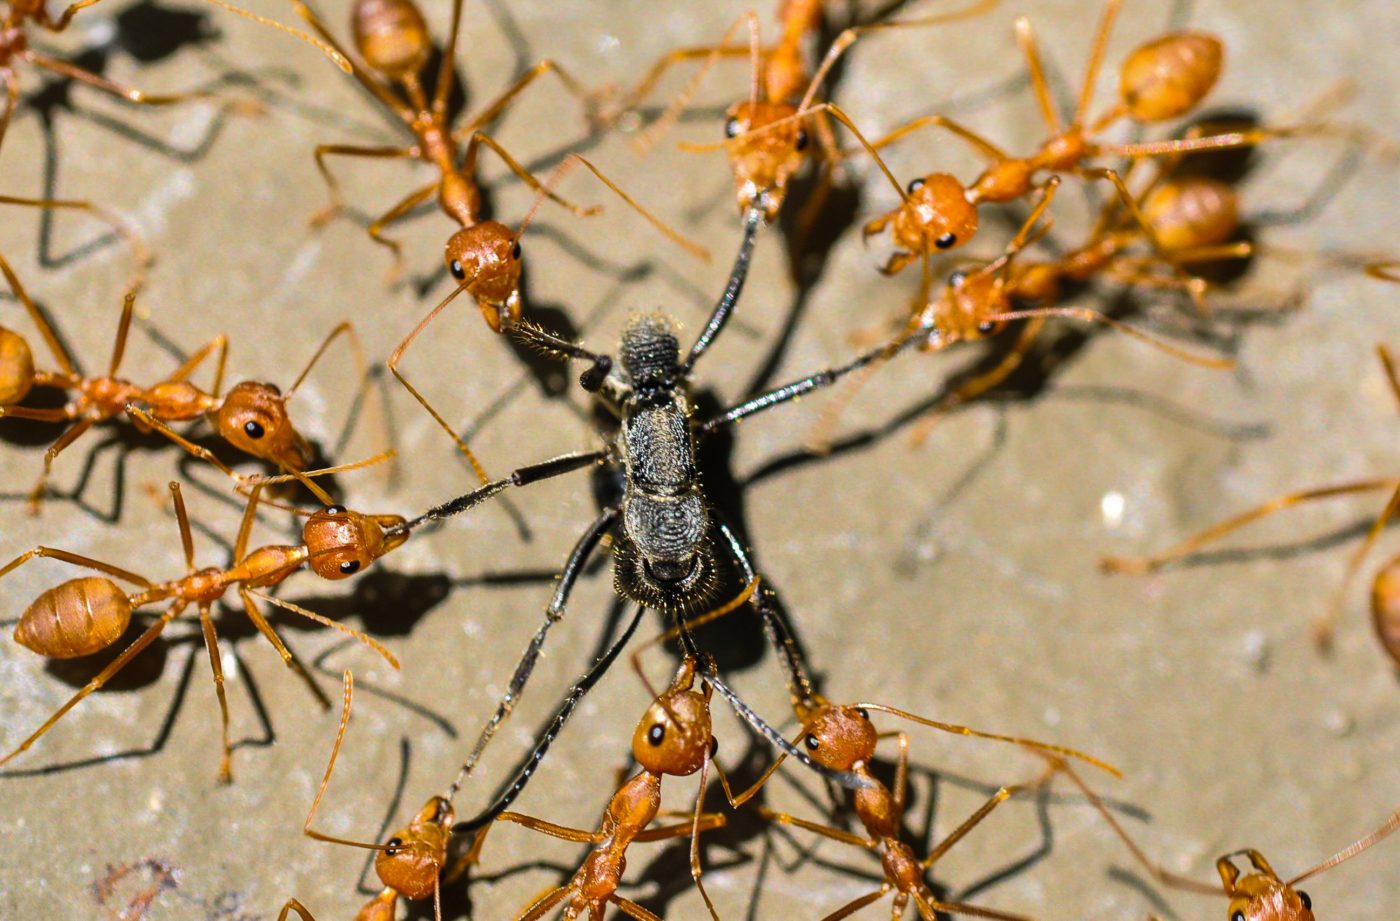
x: 650, y: 351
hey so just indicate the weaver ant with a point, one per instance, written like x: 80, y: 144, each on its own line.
x: 413, y: 863
x: 83, y: 616
x: 1258, y: 896
x: 1384, y: 588
x: 252, y: 416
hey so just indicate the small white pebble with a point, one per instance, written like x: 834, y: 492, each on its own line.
x: 1338, y: 723
x: 608, y: 43
x: 1111, y: 506
x: 1256, y: 649
x: 156, y: 801
x: 1052, y: 716
x: 229, y: 661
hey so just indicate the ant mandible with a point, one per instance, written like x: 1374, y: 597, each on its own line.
x: 252, y: 416
x: 86, y: 615
x: 1258, y: 896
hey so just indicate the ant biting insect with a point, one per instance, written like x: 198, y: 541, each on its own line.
x: 86, y: 615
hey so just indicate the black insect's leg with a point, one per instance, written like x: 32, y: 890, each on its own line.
x: 752, y: 220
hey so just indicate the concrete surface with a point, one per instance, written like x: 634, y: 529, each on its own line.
x: 956, y: 579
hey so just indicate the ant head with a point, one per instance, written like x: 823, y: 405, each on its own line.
x: 967, y: 298
x: 650, y: 350
x: 763, y: 163
x: 341, y: 542
x: 253, y: 418
x: 674, y: 735
x: 840, y: 737
x: 1261, y: 895
x: 1168, y: 77
x: 1191, y: 212
x: 391, y: 36
x: 938, y: 210
x: 485, y: 259
x: 415, y: 854
x: 16, y: 367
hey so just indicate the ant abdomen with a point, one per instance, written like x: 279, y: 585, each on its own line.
x: 1169, y: 76
x: 16, y: 367
x: 391, y: 36
x: 78, y: 618
x: 1385, y: 607
x: 1192, y: 212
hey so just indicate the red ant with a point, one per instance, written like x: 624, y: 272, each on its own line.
x: 252, y: 416
x: 1385, y: 588
x: 84, y: 616
x: 1258, y: 896
x: 413, y: 863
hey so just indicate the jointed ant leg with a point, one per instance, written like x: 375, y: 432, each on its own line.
x: 56, y: 347
x: 80, y: 428
x: 143, y: 418
x: 469, y: 166
x: 76, y: 560
x: 63, y: 68
x: 578, y: 558
x: 349, y: 150
x: 260, y: 622
x: 211, y: 643
x: 407, y: 204
x: 502, y: 102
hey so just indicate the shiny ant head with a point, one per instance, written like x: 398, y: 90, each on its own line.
x: 968, y: 298
x: 763, y: 163
x: 937, y: 214
x: 485, y: 259
x: 1261, y: 896
x: 253, y: 418
x: 1169, y: 76
x: 415, y: 855
x: 16, y: 367
x: 840, y: 737
x: 341, y: 542
x: 651, y: 351
x: 674, y: 735
x: 391, y: 36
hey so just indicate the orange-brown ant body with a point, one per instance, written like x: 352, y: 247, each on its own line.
x: 86, y: 615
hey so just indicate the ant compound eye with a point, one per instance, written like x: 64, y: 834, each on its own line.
x: 656, y: 734
x: 457, y: 271
x: 714, y: 749
x: 946, y: 241
x: 732, y: 128
x: 914, y: 186
x: 812, y: 742
x: 515, y: 253
x: 1305, y: 899
x: 253, y: 429
x: 335, y: 510
x: 985, y: 328
x: 957, y: 278
x: 801, y: 140
x: 864, y: 714
x: 391, y: 847
x: 350, y: 567
x: 1237, y: 916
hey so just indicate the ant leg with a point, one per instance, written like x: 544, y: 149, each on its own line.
x: 983, y: 146
x: 294, y: 906
x: 930, y: 909
x: 333, y: 184
x: 211, y: 643
x: 732, y: 289
x: 255, y: 614
x: 632, y: 910
x: 1193, y: 543
x: 1091, y: 70
x: 362, y: 373
x: 691, y: 623
x: 218, y: 346
x: 63, y: 68
x: 827, y: 831
x: 502, y: 102
x: 144, y: 418
x: 369, y: 82
x: 576, y: 692
x: 130, y: 237
x: 36, y: 495
x: 469, y: 166
x: 968, y: 824
x: 522, y: 476
x: 1391, y: 376
x: 696, y: 870
x: 1093, y: 316
x: 408, y: 203
x: 563, y: 832
x: 75, y: 559
x: 695, y: 249
x: 901, y: 776
x: 123, y: 328
x: 648, y: 138
x: 709, y: 821
x: 856, y: 905
x: 1025, y: 37
x: 103, y: 676
x: 1325, y: 626
x: 554, y: 613
x: 393, y: 364
x: 1227, y: 141
x: 542, y: 903
x: 982, y: 383
x: 56, y: 346
x: 327, y: 622
x: 38, y: 415
x: 806, y: 385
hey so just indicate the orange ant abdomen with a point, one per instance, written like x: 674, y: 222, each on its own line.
x: 78, y: 618
x: 391, y: 36
x: 1192, y: 212
x: 253, y: 418
x: 1385, y: 607
x: 1169, y: 76
x: 16, y: 367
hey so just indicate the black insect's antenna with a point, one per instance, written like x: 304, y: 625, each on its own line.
x: 848, y: 779
x: 753, y: 219
x: 551, y: 344
x: 576, y: 693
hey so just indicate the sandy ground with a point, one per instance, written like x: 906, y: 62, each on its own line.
x: 955, y: 579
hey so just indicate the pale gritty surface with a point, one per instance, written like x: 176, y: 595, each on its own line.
x: 957, y: 579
